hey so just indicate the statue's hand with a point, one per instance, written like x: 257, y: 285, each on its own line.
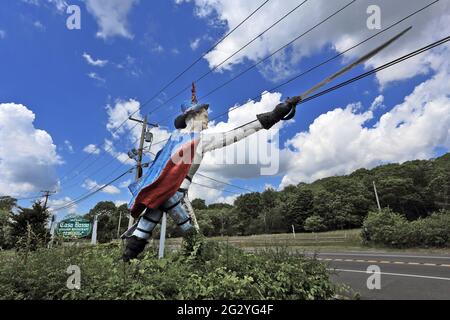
x: 283, y: 111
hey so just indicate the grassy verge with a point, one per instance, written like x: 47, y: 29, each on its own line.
x: 342, y: 240
x: 207, y: 270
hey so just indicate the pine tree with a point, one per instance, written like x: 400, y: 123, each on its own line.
x: 37, y: 233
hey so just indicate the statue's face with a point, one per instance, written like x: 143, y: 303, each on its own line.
x: 198, y: 121
x: 203, y: 118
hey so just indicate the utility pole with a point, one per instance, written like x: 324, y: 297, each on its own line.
x: 140, y: 152
x: 146, y: 136
x: 376, y: 196
x: 46, y: 194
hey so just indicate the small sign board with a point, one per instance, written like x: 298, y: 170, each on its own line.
x: 74, y: 228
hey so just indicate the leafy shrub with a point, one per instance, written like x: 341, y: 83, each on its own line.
x: 315, y: 224
x: 208, y: 271
x: 433, y: 231
x: 392, y: 229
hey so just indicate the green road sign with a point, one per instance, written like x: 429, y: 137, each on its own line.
x: 74, y: 228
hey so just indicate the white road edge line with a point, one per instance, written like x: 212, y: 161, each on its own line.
x: 380, y: 255
x: 392, y: 274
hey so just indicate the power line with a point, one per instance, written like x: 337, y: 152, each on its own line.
x: 342, y: 84
x: 96, y: 185
x: 312, y: 68
x: 28, y: 198
x: 73, y: 203
x: 109, y: 163
x: 180, y: 74
x: 229, y: 57
x: 380, y: 68
x: 206, y: 52
x: 106, y: 151
x: 334, y: 56
x: 368, y: 73
x: 232, y: 55
x: 278, y: 50
x: 225, y: 183
x: 210, y: 187
x: 217, y: 66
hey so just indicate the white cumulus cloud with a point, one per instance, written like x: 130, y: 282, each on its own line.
x: 91, y: 149
x: 256, y: 149
x: 111, y: 16
x: 340, y: 142
x: 119, y: 125
x: 27, y: 155
x: 58, y: 203
x: 93, y: 185
x: 344, y: 30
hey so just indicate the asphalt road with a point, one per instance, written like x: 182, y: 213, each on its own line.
x: 403, y: 276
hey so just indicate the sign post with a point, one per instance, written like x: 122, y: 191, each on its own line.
x: 94, y: 231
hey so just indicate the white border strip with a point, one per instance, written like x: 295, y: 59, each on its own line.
x: 392, y: 274
x: 379, y: 255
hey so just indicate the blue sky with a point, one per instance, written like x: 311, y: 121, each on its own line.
x: 126, y: 52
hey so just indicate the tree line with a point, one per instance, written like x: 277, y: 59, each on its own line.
x: 413, y: 189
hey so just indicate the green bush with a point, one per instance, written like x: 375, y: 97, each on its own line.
x: 394, y: 230
x: 433, y: 231
x: 208, y: 271
x: 315, y: 224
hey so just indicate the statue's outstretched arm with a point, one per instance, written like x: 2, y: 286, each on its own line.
x: 212, y: 141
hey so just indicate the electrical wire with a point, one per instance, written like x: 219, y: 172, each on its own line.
x: 225, y: 183
x: 178, y: 76
x: 359, y: 77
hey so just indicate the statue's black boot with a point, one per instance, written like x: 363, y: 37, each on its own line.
x: 133, y: 248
